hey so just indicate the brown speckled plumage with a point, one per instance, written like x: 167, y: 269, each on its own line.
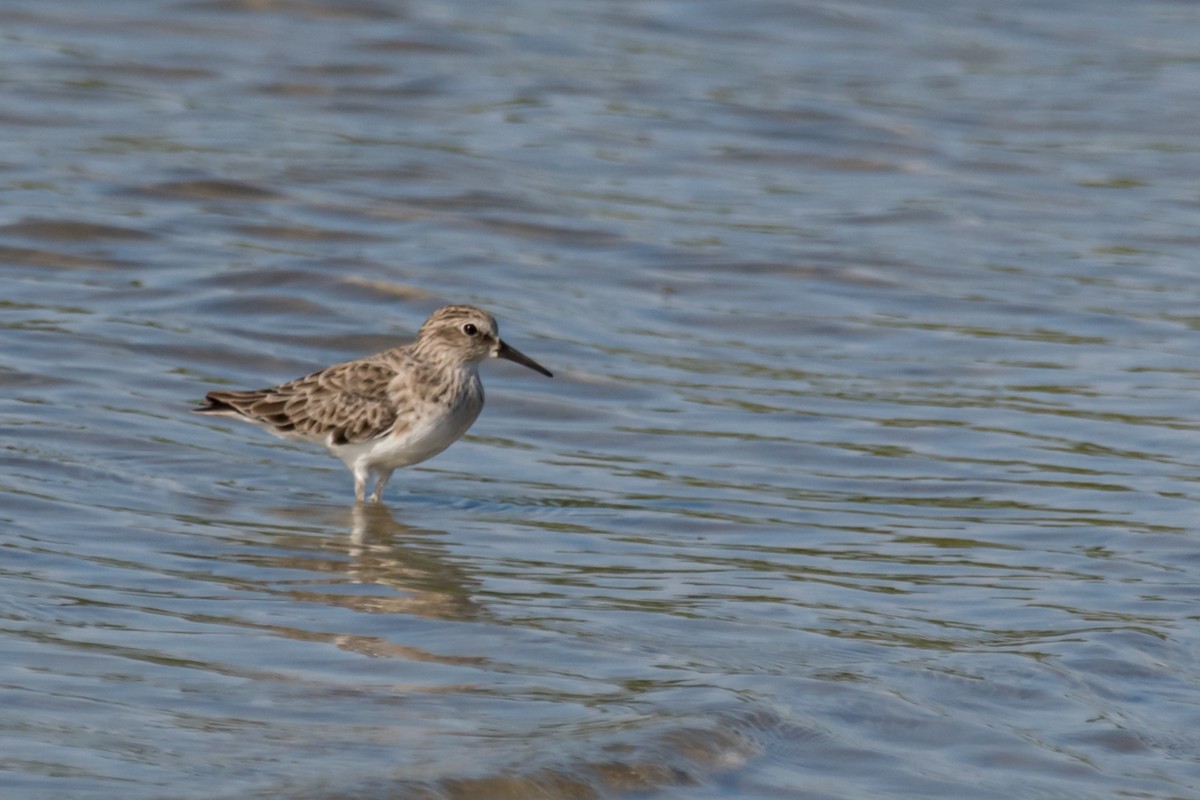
x: 349, y: 402
x: 388, y: 410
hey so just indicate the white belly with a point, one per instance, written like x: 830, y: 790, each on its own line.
x: 425, y: 439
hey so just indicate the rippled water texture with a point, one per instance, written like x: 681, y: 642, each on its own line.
x: 870, y: 465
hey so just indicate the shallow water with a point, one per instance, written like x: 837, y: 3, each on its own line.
x: 869, y: 468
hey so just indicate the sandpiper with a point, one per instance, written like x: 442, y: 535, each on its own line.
x: 387, y: 410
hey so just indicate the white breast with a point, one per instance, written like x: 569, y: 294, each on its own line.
x: 433, y: 429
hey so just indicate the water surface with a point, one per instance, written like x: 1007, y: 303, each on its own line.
x: 869, y: 468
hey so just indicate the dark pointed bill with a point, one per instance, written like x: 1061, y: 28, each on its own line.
x: 513, y: 354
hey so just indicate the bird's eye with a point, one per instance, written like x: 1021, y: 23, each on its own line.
x: 470, y: 330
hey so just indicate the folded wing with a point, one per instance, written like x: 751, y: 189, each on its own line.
x: 343, y: 404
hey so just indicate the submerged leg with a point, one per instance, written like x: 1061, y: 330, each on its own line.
x: 384, y: 476
x: 361, y: 474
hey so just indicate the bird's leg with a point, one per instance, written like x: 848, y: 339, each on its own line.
x: 384, y: 476
x: 361, y: 474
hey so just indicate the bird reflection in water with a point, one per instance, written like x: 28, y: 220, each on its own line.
x: 382, y: 567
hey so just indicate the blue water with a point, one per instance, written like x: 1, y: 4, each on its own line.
x: 869, y: 465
